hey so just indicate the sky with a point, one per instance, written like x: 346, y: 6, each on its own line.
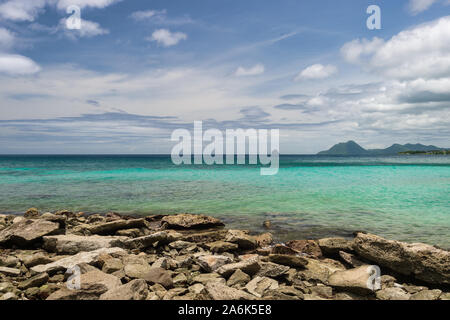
x: 138, y: 70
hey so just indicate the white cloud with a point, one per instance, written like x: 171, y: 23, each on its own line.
x: 167, y: 38
x: 6, y: 39
x: 417, y: 6
x: 253, y: 71
x: 422, y: 51
x: 88, y: 29
x: 317, y: 71
x: 142, y: 15
x: 100, y: 4
x: 14, y: 64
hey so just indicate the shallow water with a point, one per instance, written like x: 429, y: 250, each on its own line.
x: 403, y: 197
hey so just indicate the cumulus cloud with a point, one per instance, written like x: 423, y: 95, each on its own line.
x: 422, y: 51
x: 253, y: 71
x: 166, y: 38
x: 316, y: 71
x: 417, y: 6
x: 6, y: 39
x: 14, y: 64
x: 88, y: 29
x: 143, y: 15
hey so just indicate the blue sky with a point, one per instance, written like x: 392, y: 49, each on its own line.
x: 137, y: 70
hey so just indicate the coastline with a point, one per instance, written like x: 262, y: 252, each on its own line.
x: 196, y: 257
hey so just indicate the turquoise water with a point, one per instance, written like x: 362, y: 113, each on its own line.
x: 404, y: 198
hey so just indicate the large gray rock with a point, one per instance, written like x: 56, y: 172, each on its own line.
x: 259, y: 285
x: 146, y: 241
x: 242, y: 239
x: 73, y: 244
x: 159, y: 276
x: 357, y: 280
x: 427, y: 295
x: 190, y: 221
x: 393, y: 294
x: 136, y: 267
x: 419, y: 260
x: 70, y: 262
x: 332, y: 246
x: 250, y: 266
x: 211, y: 263
x: 288, y: 260
x: 220, y: 291
x: 272, y: 270
x: 113, y: 226
x: 133, y: 290
x: 27, y: 231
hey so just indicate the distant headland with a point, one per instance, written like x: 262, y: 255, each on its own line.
x: 351, y: 148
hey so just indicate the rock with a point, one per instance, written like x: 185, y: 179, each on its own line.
x: 146, y: 241
x: 112, y: 265
x: 10, y: 271
x: 354, y: 280
x: 113, y: 226
x: 221, y: 246
x: 238, y: 278
x: 264, y: 239
x: 133, y: 290
x: 205, y: 278
x: 242, y: 239
x: 197, y: 288
x: 309, y: 247
x: 219, y: 291
x: 36, y: 281
x: 392, y: 294
x: 272, y: 270
x: 259, y: 285
x: 93, y: 285
x: 350, y: 259
x: 172, y: 294
x: 389, y: 281
x: 31, y: 260
x: 190, y: 221
x: 422, y: 261
x: 267, y: 224
x: 72, y: 244
x: 166, y: 263
x: 332, y: 246
x: 8, y: 261
x: 136, y: 267
x: 288, y: 260
x: 72, y: 261
x: 249, y: 266
x: 427, y: 295
x: 445, y: 296
x: 6, y: 287
x: 322, y: 291
x: 46, y: 290
x: 27, y: 231
x: 179, y: 280
x: 130, y: 233
x: 180, y: 244
x: 159, y: 276
x: 282, y: 249
x: 211, y: 263
x: 9, y: 296
x: 31, y: 213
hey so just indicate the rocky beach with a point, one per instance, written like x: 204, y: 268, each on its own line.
x: 73, y: 256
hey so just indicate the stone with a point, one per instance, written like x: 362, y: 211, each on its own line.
x: 27, y: 231
x: 179, y: 280
x: 221, y: 246
x: 241, y: 238
x: 220, y: 291
x: 282, y: 249
x: 72, y: 261
x: 259, y: 285
x: 239, y: 278
x: 146, y: 241
x: 354, y: 280
x: 166, y: 263
x: 113, y: 226
x: 197, y: 288
x: 392, y: 294
x: 8, y: 261
x: 322, y: 291
x: 133, y: 290
x: 205, y: 278
x: 290, y: 291
x: 159, y: 276
x: 309, y: 247
x: 6, y: 287
x: 9, y: 271
x: 427, y: 295
x: 422, y: 261
x: 264, y: 240
x: 272, y: 270
x: 445, y: 296
x: 180, y: 244
x: 73, y: 244
x: 211, y: 263
x: 36, y: 281
x: 93, y: 284
x: 9, y: 296
x: 267, y: 224
x: 31, y: 213
x: 249, y: 266
x: 288, y: 260
x: 136, y: 267
x: 31, y: 260
x: 112, y: 265
x: 190, y: 221
x: 332, y: 246
x: 350, y: 259
x: 130, y: 233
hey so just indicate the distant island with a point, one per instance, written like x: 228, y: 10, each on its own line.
x: 351, y: 148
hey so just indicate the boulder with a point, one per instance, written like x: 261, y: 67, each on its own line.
x: 31, y: 213
x: 180, y: 244
x: 27, y: 231
x: 113, y: 226
x: 309, y: 247
x: 146, y: 241
x: 239, y: 278
x: 220, y: 291
x: 419, y: 260
x: 159, y: 276
x: 9, y: 271
x: 350, y: 259
x: 71, y: 261
x: 36, y: 281
x: 241, y: 238
x: 332, y: 246
x: 190, y: 221
x: 211, y: 263
x: 288, y: 260
x: 264, y: 239
x: 393, y: 294
x: 136, y: 267
x: 205, y: 278
x: 73, y: 244
x: 249, y: 266
x: 272, y: 270
x: 8, y: 261
x: 93, y: 284
x: 356, y: 280
x: 427, y: 295
x: 320, y: 270
x: 133, y: 290
x: 259, y: 285
x: 221, y: 246
x: 33, y: 259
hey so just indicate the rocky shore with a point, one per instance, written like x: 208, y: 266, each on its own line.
x: 72, y: 256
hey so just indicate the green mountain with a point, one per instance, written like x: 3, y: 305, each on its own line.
x: 351, y: 148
